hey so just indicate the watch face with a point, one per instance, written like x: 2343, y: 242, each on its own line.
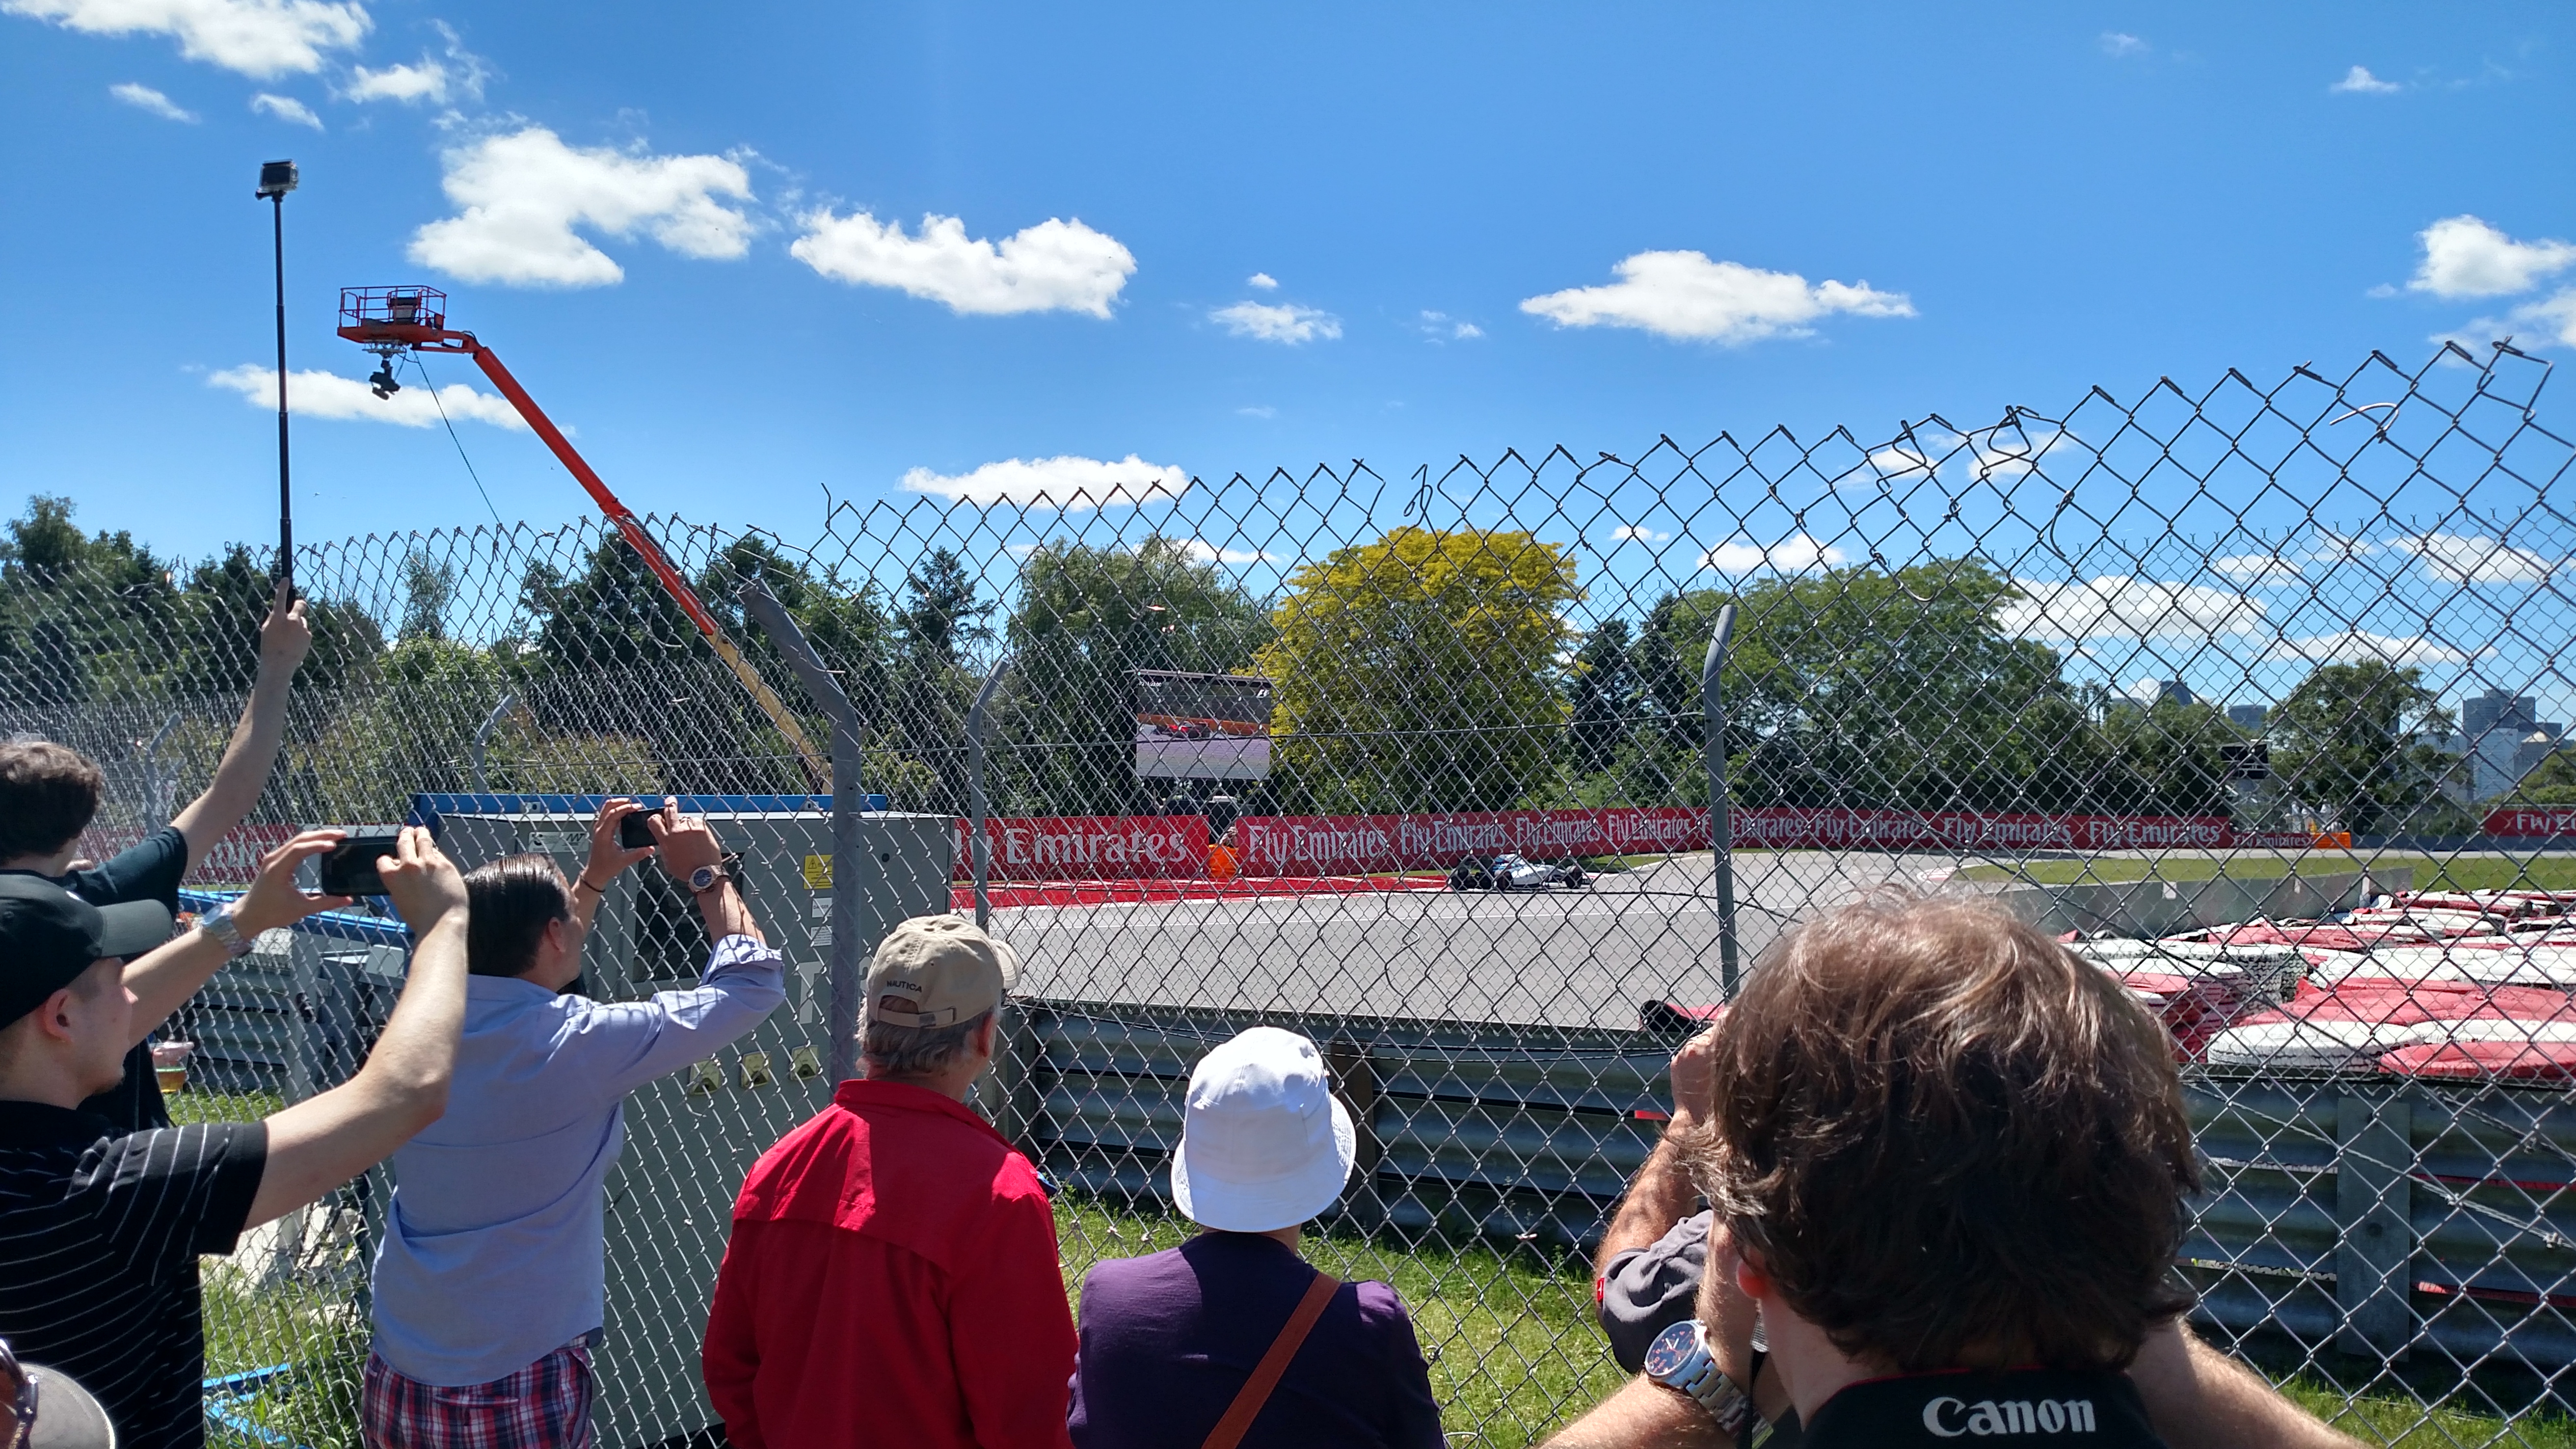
x: 1672, y: 1349
x: 701, y: 878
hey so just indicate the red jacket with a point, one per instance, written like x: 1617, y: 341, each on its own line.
x: 892, y: 1280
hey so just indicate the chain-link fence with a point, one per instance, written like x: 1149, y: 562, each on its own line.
x: 2249, y: 689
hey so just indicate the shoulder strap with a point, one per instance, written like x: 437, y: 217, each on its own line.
x: 1229, y: 1431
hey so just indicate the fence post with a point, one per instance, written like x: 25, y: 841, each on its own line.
x: 2374, y: 1151
x: 849, y: 902
x: 483, y: 736
x: 979, y: 848
x: 1721, y: 845
x: 156, y: 808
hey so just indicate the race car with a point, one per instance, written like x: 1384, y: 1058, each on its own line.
x: 1508, y: 872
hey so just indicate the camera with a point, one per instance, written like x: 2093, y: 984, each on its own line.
x: 349, y: 869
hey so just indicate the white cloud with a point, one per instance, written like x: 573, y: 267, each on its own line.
x: 1071, y: 484
x: 2554, y: 315
x: 1794, y: 554
x: 426, y: 81
x: 2255, y: 568
x: 2118, y: 42
x: 1209, y: 553
x: 1638, y: 533
x: 522, y: 195
x: 285, y: 108
x: 2355, y: 646
x: 144, y: 98
x: 1055, y: 266
x: 2465, y: 257
x: 2474, y: 560
x: 461, y: 75
x: 1684, y: 294
x: 2118, y: 607
x: 329, y: 395
x: 1259, y: 410
x: 1262, y: 280
x: 1441, y: 327
x: 258, y: 38
x: 2358, y: 81
x: 1286, y: 323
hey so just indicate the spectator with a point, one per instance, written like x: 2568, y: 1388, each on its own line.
x: 492, y: 1273
x: 49, y: 795
x: 1948, y: 1163
x: 1185, y: 1347
x: 892, y: 1277
x: 100, y: 1230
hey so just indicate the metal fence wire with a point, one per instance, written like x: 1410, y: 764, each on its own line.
x: 2243, y: 688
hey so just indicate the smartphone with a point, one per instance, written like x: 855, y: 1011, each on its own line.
x: 634, y: 832
x: 349, y: 869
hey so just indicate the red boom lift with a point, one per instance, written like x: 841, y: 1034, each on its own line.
x: 389, y: 321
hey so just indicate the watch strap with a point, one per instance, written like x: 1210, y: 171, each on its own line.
x: 219, y: 923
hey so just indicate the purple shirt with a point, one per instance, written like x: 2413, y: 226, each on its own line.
x: 1168, y: 1340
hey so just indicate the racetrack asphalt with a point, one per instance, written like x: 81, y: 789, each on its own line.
x: 1586, y: 957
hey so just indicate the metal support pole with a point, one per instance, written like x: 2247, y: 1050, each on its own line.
x: 483, y: 736
x: 849, y: 858
x: 1721, y: 846
x: 979, y: 846
x: 156, y: 809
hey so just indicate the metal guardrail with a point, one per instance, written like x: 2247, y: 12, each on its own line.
x: 2373, y: 1214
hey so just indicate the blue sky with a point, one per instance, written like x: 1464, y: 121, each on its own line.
x: 755, y: 252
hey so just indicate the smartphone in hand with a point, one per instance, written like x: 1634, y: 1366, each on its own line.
x: 635, y: 832
x: 349, y: 868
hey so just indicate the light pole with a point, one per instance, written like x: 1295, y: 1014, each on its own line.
x: 276, y: 178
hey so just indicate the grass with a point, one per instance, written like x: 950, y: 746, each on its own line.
x: 1513, y: 1345
x: 2459, y: 873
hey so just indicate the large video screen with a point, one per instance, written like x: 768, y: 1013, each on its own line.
x: 1202, y: 726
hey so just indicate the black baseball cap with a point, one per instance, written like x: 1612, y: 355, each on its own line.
x: 48, y: 937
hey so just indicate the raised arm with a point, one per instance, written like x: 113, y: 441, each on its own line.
x: 687, y: 846
x: 163, y: 981
x: 1662, y: 1193
x: 608, y: 860
x: 317, y: 1144
x: 284, y: 639
x: 2197, y: 1395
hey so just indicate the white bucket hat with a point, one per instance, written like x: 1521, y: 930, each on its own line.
x: 1264, y: 1145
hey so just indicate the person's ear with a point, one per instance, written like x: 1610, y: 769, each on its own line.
x: 54, y: 1018
x: 988, y: 1037
x: 1750, y: 1276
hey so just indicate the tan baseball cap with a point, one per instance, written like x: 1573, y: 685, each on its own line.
x: 938, y: 971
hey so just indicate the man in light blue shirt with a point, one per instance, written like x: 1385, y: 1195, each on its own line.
x: 492, y: 1271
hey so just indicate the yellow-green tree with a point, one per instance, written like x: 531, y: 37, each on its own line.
x: 1420, y: 672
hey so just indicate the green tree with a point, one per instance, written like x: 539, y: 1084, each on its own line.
x: 81, y: 615
x: 1855, y: 686
x: 1421, y: 671
x: 2551, y: 782
x: 1604, y: 696
x: 227, y: 599
x: 1086, y: 619
x: 932, y: 689
x: 2353, y: 742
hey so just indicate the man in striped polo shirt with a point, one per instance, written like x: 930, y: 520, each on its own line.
x: 100, y: 1229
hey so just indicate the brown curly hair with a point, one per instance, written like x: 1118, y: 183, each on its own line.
x: 49, y: 793
x: 1941, y: 1134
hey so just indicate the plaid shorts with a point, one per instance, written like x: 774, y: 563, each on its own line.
x: 543, y: 1406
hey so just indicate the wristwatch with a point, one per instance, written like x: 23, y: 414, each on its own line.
x: 219, y: 923
x: 1679, y: 1360
x: 706, y: 877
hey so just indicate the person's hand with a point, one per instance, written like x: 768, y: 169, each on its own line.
x: 272, y: 899
x: 284, y: 636
x: 685, y: 841
x: 1694, y: 1078
x: 424, y: 884
x: 608, y: 858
